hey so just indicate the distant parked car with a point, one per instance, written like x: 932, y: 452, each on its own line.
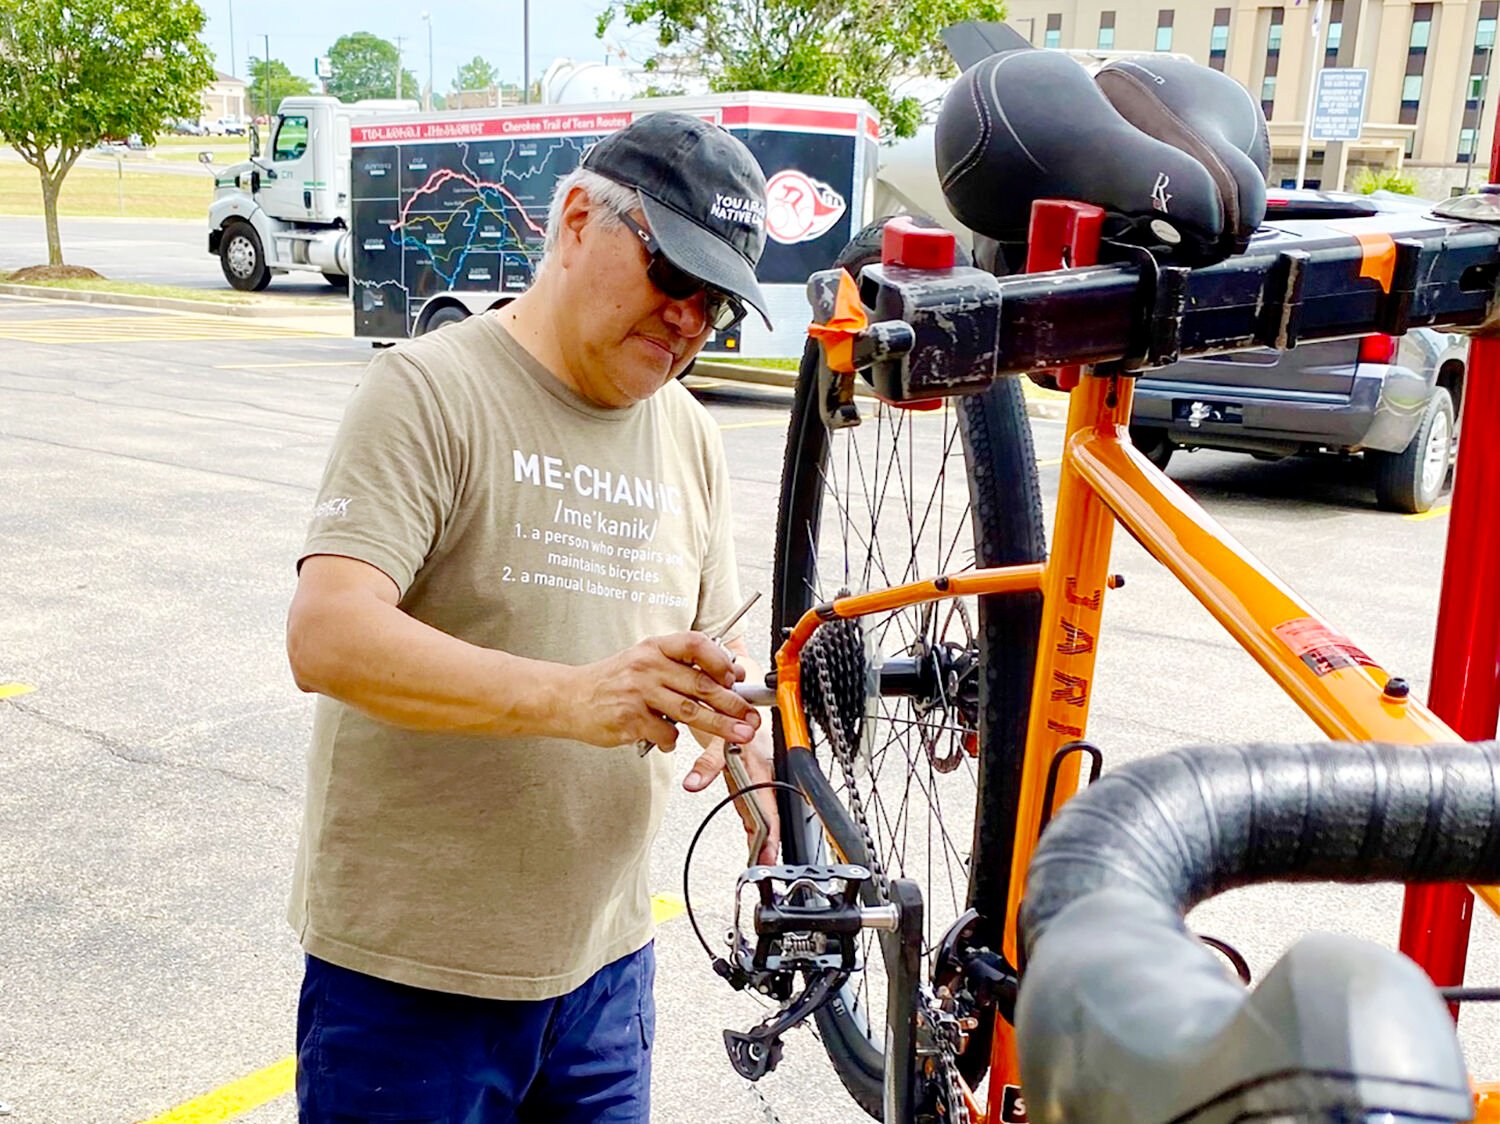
x: 1394, y: 401
x: 187, y: 128
x: 229, y: 126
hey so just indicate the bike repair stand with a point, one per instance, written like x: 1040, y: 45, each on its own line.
x: 1465, y: 691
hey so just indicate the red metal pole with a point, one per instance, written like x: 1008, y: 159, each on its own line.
x: 1466, y: 661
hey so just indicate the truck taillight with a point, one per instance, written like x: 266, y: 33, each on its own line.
x: 1377, y: 349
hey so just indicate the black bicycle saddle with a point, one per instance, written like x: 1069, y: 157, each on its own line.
x: 1207, y: 115
x: 1026, y: 124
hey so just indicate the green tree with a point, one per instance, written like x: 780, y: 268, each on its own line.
x: 73, y: 72
x: 282, y: 84
x: 476, y: 74
x: 364, y: 66
x: 846, y: 48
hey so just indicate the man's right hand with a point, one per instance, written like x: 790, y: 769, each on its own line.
x: 640, y: 693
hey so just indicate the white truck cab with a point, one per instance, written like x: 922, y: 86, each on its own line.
x: 287, y: 207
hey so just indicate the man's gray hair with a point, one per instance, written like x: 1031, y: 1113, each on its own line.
x: 614, y: 198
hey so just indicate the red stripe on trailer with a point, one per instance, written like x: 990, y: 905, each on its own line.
x: 790, y: 117
x: 530, y: 125
x: 872, y: 127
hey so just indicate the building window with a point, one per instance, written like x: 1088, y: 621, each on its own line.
x: 1106, y: 31
x: 1164, y: 30
x: 1421, y: 26
x: 1335, y: 33
x: 1467, y: 140
x: 1476, y: 87
x: 1267, y: 94
x: 1273, y: 36
x: 1411, y: 88
x: 1218, y: 39
x: 1053, y: 36
x: 1484, y: 34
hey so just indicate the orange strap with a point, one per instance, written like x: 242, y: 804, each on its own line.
x: 847, y: 321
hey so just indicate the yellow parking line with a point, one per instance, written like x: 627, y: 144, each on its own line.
x: 1432, y: 513
x: 11, y: 690
x: 664, y: 907
x: 237, y: 1097
x: 279, y: 366
x: 143, y: 329
x: 755, y: 425
x: 276, y: 1080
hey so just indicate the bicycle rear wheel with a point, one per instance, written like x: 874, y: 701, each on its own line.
x: 908, y: 495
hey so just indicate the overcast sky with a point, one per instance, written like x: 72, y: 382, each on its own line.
x: 300, y: 30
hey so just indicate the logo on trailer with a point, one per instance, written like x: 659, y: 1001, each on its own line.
x: 800, y: 208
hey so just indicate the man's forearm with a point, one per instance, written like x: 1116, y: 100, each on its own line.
x: 379, y: 659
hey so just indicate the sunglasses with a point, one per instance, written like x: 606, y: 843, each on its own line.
x: 721, y: 310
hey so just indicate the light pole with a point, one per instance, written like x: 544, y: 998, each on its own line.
x: 231, y: 40
x: 427, y: 19
x: 1312, y: 78
x: 525, y: 52
x: 1484, y: 81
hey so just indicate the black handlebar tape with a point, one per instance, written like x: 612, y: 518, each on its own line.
x: 1189, y: 824
x: 1124, y: 1015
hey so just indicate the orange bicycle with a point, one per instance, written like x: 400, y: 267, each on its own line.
x: 935, y: 662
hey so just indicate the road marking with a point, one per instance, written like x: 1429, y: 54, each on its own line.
x: 755, y: 425
x: 150, y: 328
x: 279, y: 366
x: 236, y: 1098
x: 277, y: 1079
x: 11, y: 690
x: 664, y: 907
x: 1433, y: 513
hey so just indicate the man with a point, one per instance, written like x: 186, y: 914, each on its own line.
x: 520, y: 549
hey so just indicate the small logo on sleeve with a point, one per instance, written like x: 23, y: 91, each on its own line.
x: 335, y: 508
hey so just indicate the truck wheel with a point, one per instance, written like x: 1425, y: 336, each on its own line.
x: 337, y: 281
x: 1154, y: 443
x: 244, y: 258
x: 448, y: 314
x: 1411, y: 481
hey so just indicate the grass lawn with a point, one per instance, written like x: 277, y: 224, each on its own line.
x: 1029, y: 389
x: 89, y: 193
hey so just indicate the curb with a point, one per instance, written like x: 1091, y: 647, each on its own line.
x: 174, y: 304
x: 1051, y: 409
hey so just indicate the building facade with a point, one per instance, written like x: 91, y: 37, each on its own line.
x: 1429, y: 111
x: 224, y: 98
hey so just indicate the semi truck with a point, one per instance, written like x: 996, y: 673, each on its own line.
x: 435, y: 217
x: 286, y: 209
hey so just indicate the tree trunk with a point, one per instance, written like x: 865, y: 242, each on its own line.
x: 50, y: 188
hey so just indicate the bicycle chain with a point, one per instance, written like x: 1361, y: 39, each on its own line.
x: 828, y: 716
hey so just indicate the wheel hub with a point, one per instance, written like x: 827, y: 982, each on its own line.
x: 241, y: 256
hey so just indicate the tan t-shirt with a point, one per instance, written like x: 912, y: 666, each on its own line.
x: 514, y: 514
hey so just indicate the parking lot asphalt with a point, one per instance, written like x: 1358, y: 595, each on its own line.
x: 151, y: 740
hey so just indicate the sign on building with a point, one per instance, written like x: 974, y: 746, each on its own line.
x: 322, y: 67
x: 1339, y: 103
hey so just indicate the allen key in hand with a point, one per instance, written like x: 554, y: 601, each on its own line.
x: 646, y: 745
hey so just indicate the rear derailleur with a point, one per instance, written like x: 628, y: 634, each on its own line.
x: 807, y: 921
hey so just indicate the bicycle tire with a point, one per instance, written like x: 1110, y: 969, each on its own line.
x: 1004, y: 512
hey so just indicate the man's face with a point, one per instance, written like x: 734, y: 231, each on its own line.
x: 628, y: 339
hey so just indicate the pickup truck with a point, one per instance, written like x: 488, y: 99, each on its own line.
x: 1394, y: 402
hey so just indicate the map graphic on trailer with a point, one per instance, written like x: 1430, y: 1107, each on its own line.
x: 469, y: 215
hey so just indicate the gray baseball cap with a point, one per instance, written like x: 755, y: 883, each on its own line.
x: 702, y: 193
